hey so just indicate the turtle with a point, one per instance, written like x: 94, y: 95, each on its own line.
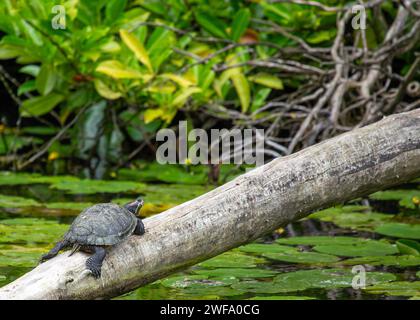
x: 98, y: 227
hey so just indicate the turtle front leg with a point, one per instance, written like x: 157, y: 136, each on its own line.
x: 54, y: 251
x: 139, y: 230
x: 94, y: 263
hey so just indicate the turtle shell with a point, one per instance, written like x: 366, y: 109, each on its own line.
x: 102, y: 224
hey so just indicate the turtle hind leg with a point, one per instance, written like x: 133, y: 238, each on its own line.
x: 94, y: 263
x: 139, y: 230
x: 54, y: 251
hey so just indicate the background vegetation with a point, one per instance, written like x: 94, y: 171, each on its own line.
x: 93, y: 95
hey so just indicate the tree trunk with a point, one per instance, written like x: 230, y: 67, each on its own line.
x: 286, y: 189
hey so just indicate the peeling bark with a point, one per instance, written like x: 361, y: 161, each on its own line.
x: 337, y: 170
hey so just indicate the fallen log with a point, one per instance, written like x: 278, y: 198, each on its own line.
x: 286, y: 189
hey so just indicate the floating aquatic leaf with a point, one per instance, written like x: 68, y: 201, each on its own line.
x: 329, y: 278
x: 399, y: 261
x: 231, y: 260
x: 196, y: 282
x: 354, y: 220
x: 217, y: 291
x: 97, y: 186
x: 368, y: 248
x: 266, y: 248
x: 397, y: 288
x: 30, y: 230
x: 10, y: 178
x: 76, y: 206
x: 236, y: 272
x: 400, y: 230
x: 16, y: 202
x: 269, y: 287
x: 320, y: 240
x: 406, y: 246
x: 405, y: 197
x: 302, y: 257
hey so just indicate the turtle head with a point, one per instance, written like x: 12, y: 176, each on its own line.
x: 135, y: 206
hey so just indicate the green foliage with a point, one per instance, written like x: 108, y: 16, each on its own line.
x: 121, y: 53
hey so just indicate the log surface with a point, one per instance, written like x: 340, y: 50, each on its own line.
x: 348, y: 166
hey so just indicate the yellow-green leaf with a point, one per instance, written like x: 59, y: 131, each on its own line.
x: 152, y: 114
x: 117, y: 70
x: 182, y: 81
x: 105, y: 91
x: 242, y: 89
x: 267, y: 80
x: 137, y: 48
x: 182, y: 97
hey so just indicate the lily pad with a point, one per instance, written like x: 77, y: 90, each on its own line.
x: 397, y: 288
x: 406, y: 246
x: 88, y: 186
x: 307, y: 279
x: 76, y: 206
x: 405, y: 197
x: 236, y: 272
x: 269, y: 287
x: 11, y: 178
x: 400, y: 230
x: 302, y: 257
x: 216, y: 291
x: 354, y: 220
x: 320, y: 240
x: 329, y: 278
x: 232, y: 260
x: 398, y: 261
x: 368, y: 248
x: 17, y: 202
x: 265, y: 248
x: 30, y: 230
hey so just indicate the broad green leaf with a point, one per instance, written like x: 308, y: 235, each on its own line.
x: 16, y: 202
x: 27, y: 86
x: 368, y: 248
x: 182, y: 81
x: 400, y: 230
x: 114, y: 9
x: 137, y: 48
x: 232, y: 260
x: 397, y: 288
x: 240, y: 23
x: 46, y: 79
x: 267, y: 80
x: 31, y: 69
x: 97, y: 186
x: 153, y: 114
x: 302, y: 257
x: 9, y: 52
x: 105, y: 91
x: 212, y: 24
x: 266, y: 248
x: 321, y: 240
x: 39, y: 106
x: 117, y: 70
x: 236, y: 272
x: 399, y: 261
x: 406, y: 246
x: 183, y: 96
x: 242, y: 89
